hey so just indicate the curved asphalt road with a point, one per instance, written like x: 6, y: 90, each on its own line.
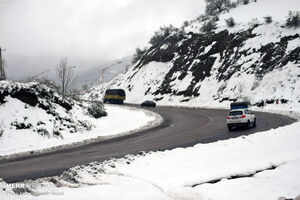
x: 182, y: 127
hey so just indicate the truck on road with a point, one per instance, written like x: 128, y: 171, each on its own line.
x: 114, y: 96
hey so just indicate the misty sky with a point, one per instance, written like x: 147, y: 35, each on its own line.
x: 36, y: 33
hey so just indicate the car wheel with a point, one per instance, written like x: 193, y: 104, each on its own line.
x: 248, y: 125
x: 254, y: 123
x: 230, y: 128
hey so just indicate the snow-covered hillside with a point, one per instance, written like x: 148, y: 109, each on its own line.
x: 253, y: 60
x: 37, y: 108
x: 34, y: 119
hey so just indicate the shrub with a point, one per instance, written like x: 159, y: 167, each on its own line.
x: 245, y: 2
x: 57, y: 134
x: 185, y: 24
x: 208, y: 26
x: 230, y: 22
x: 87, y: 124
x: 43, y: 132
x: 268, y: 19
x: 21, y: 125
x: 293, y: 19
x: 97, y: 110
x: 233, y: 5
x: 216, y: 6
x: 160, y: 35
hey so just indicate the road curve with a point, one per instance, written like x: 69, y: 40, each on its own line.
x: 182, y: 127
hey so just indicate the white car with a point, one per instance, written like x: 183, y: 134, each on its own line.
x: 240, y: 118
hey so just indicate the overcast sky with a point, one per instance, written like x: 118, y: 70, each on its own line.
x: 36, y: 33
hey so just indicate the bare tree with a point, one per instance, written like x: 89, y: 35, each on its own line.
x: 2, y: 70
x: 2, y: 66
x: 65, y: 75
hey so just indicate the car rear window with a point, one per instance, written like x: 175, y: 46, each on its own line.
x: 233, y: 113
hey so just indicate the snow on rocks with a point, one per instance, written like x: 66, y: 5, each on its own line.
x: 252, y: 61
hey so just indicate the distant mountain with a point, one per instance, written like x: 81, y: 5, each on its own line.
x: 92, y: 77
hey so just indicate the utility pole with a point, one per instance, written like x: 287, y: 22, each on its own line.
x: 2, y: 71
x: 105, y: 68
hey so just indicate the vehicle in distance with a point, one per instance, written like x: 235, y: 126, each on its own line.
x: 239, y: 105
x: 148, y: 104
x: 240, y: 118
x: 114, y: 96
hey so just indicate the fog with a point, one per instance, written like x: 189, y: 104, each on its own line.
x: 90, y: 33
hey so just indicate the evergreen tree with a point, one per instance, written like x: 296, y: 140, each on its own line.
x: 293, y: 19
x: 160, y: 35
x: 216, y: 6
x: 138, y: 54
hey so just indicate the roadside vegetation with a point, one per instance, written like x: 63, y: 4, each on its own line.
x: 293, y: 19
x: 96, y: 109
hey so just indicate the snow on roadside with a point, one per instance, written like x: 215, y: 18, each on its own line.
x: 121, y: 120
x: 264, y: 165
x: 176, y: 171
x: 94, y: 192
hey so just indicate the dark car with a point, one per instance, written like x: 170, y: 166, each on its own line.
x: 239, y: 105
x: 148, y: 104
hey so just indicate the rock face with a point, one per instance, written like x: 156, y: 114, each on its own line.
x: 259, y: 64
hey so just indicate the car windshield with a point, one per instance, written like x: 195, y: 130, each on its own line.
x: 233, y: 113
